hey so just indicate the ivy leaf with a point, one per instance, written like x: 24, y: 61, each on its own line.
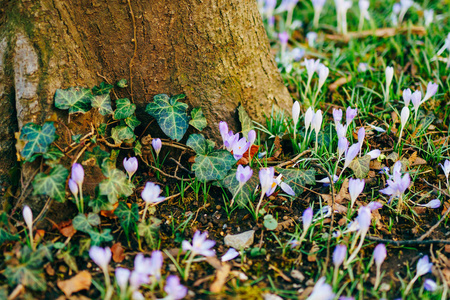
x: 246, y: 122
x: 127, y: 216
x: 198, y: 120
x: 149, y: 230
x: 198, y: 143
x: 5, y: 236
x: 213, y: 166
x: 360, y: 166
x: 53, y: 153
x: 122, y: 83
x: 98, y: 154
x: 37, y: 138
x: 102, y: 89
x: 246, y: 194
x: 122, y: 133
x: 76, y: 100
x: 115, y: 185
x: 53, y: 184
x: 100, y: 203
x: 124, y: 109
x: 22, y: 274
x: 37, y: 258
x: 97, y: 238
x: 103, y: 103
x: 296, y: 179
x: 137, y: 148
x: 85, y: 223
x: 132, y: 122
x: 170, y: 114
x: 270, y: 223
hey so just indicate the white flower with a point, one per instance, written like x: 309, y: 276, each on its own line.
x: 231, y: 254
x: 321, y: 291
x: 295, y: 113
x: 389, y: 76
x: 323, y: 74
x: 101, y: 256
x: 404, y: 115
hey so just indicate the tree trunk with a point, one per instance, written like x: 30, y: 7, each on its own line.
x: 214, y: 51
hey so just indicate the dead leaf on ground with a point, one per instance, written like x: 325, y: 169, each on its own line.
x: 313, y: 252
x: 285, y: 224
x: 340, y: 197
x: 244, y: 160
x: 117, y: 252
x: 341, y: 81
x: 380, y: 32
x: 39, y: 235
x: 66, y: 228
x: 81, y: 281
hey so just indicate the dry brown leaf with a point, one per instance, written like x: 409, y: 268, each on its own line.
x: 447, y: 248
x: 340, y: 197
x: 313, y: 252
x: 39, y: 235
x: 285, y: 224
x: 343, y: 80
x: 117, y: 252
x: 66, y: 228
x: 81, y: 281
x: 380, y: 32
x: 284, y: 276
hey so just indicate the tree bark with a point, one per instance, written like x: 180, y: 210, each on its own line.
x: 214, y: 51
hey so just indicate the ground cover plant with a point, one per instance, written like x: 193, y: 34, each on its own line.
x: 344, y: 197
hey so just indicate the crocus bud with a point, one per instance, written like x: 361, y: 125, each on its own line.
x: 342, y: 145
x: 407, y: 96
x: 309, y: 115
x: 430, y: 285
x: 389, y: 76
x: 311, y: 37
x: 251, y: 137
x: 150, y: 193
x: 431, y: 91
x: 374, y: 153
x: 73, y: 186
x: 223, y: 128
x: 339, y: 255
x: 156, y: 144
x: 28, y: 217
x: 122, y: 276
x: 350, y: 114
x: 337, y: 115
x: 361, y: 135
x: 78, y: 173
x: 130, y: 165
x: 364, y: 216
x: 307, y: 218
x: 101, y: 256
x: 415, y: 99
x: 321, y: 291
x: 316, y: 123
x: 355, y: 187
x: 435, y: 203
x: 323, y: 74
x: 446, y: 168
x: 341, y: 130
x: 266, y: 179
x: 351, y: 154
x: 311, y: 66
x: 284, y: 38
x: 379, y: 254
x: 404, y: 115
x: 424, y: 266
x: 295, y: 113
x: 243, y: 174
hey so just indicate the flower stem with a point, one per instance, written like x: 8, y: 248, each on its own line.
x: 145, y: 211
x: 188, y: 266
x: 259, y: 204
x: 354, y: 253
x: 408, y: 288
x: 378, y: 278
x: 237, y: 192
x: 335, y: 276
x: 81, y: 198
x: 109, y: 289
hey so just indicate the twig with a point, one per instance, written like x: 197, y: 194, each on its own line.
x: 180, y: 165
x: 435, y: 187
x: 44, y: 209
x: 330, y: 233
x: 23, y: 195
x: 293, y: 159
x: 407, y: 242
x: 426, y: 234
x: 81, y: 152
x: 381, y: 32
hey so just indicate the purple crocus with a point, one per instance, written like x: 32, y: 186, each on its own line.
x: 240, y: 147
x: 342, y: 146
x: 130, y: 165
x: 243, y: 174
x: 122, y: 276
x: 430, y: 285
x: 266, y: 178
x: 101, y: 256
x: 416, y: 101
x: 321, y: 291
x: 284, y: 38
x: 364, y: 219
x: 423, y: 267
x: 251, y: 136
x: 150, y: 194
x: 397, y: 185
x: 307, y: 220
x: 350, y: 114
x: 350, y: 154
x: 374, y: 153
x: 407, y: 96
x: 341, y: 130
x: 223, y: 128
x: 355, y: 187
x: 337, y: 116
x: 446, y: 168
x: 200, y: 245
x: 78, y: 173
x: 435, y: 203
x: 379, y: 255
x: 339, y: 254
x: 431, y: 91
x: 157, y: 145
x: 73, y: 186
x: 231, y: 254
x: 174, y: 289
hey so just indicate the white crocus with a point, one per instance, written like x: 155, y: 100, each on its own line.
x: 295, y: 116
x: 317, y: 124
x: 389, y: 76
x: 404, y: 116
x: 28, y: 218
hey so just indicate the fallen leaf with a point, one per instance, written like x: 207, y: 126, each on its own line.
x: 117, y: 252
x: 244, y: 160
x: 313, y: 252
x: 221, y: 278
x: 81, y: 281
x: 339, y: 198
x: 285, y: 224
x: 39, y: 235
x: 341, y: 81
x: 66, y: 228
x: 380, y: 32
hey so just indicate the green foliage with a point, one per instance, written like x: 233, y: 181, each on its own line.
x: 270, y: 223
x: 199, y: 144
x: 245, y: 195
x: 124, y: 109
x: 53, y: 153
x: 53, y: 184
x: 100, y: 203
x: 115, y: 185
x: 98, y: 154
x: 360, y: 166
x: 132, y: 122
x: 246, y: 122
x: 170, y: 114
x: 37, y: 138
x: 149, y: 230
x: 122, y: 83
x: 122, y: 134
x: 296, y: 179
x: 97, y: 238
x: 76, y: 100
x: 102, y: 89
x: 198, y: 120
x: 5, y: 236
x: 127, y: 216
x: 85, y: 223
x: 103, y: 103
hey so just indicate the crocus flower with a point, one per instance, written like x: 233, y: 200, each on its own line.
x: 150, y: 194
x: 122, y: 276
x: 240, y: 147
x: 342, y: 7
x: 404, y: 6
x: 431, y: 91
x: 350, y: 154
x: 423, y: 267
x: 78, y: 173
x: 251, y: 136
x: 136, y: 295
x: 446, y: 168
x: 374, y: 153
x: 28, y: 218
x: 316, y: 124
x: 321, y: 291
x: 363, y: 12
x: 309, y: 115
x: 374, y: 205
x: 318, y: 7
x: 73, y: 186
x: 364, y: 217
x: 389, y: 75
x: 223, y: 128
x: 407, y: 96
x: 243, y: 174
x: 342, y: 146
x: 430, y: 285
x: 311, y: 37
x: 416, y: 100
x: 379, y: 255
x: 350, y: 114
x: 341, y: 130
x: 156, y: 144
x: 323, y: 74
x: 174, y: 289
x: 101, y: 256
x: 311, y: 67
x: 231, y: 254
x: 361, y: 136
x: 355, y: 187
x: 307, y: 218
x: 404, y: 116
x: 397, y: 185
x: 435, y: 203
x: 284, y: 186
x: 337, y: 115
x: 200, y: 245
x: 130, y: 165
x: 284, y: 38
x: 295, y: 114
x: 266, y: 176
x: 231, y: 140
x: 339, y: 254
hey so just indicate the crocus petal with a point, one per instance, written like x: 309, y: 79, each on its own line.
x: 339, y: 255
x: 379, y: 254
x: 231, y: 254
x: 436, y: 203
x: 424, y: 266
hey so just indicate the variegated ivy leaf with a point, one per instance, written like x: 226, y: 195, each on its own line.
x: 128, y: 216
x: 122, y: 133
x: 124, y: 109
x: 102, y: 89
x: 170, y: 114
x: 297, y: 179
x: 53, y: 184
x: 97, y: 238
x: 5, y: 236
x: 100, y: 203
x: 103, y: 103
x: 85, y: 223
x: 198, y: 143
x: 26, y: 276
x: 115, y: 185
x: 37, y: 138
x: 198, y: 120
x: 213, y: 165
x: 246, y: 194
x: 132, y: 122
x: 149, y: 230
x: 360, y: 166
x: 75, y: 99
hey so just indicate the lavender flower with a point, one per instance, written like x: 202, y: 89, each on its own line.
x: 311, y: 37
x: 423, y: 267
x: 389, y: 76
x: 174, y: 289
x: 350, y: 114
x: 363, y: 12
x: 28, y: 218
x: 307, y: 220
x: 321, y: 291
x: 339, y: 255
x: 295, y: 116
x: 364, y: 217
x: 150, y: 194
x: 430, y: 285
x: 223, y: 129
x: 266, y: 176
x: 240, y: 147
x: 156, y: 144
x: 251, y: 136
x: 374, y: 205
x: 323, y: 74
x: 78, y: 173
x: 407, y: 96
x: 73, y: 186
x: 350, y: 154
x: 200, y: 245
x: 404, y: 116
x: 446, y: 168
x: 231, y: 254
x: 122, y: 276
x: 341, y: 130
x: 342, y: 146
x: 435, y: 203
x: 317, y: 125
x: 243, y: 174
x: 284, y: 38
x: 101, y: 256
x: 415, y: 99
x: 379, y: 255
x: 431, y: 91
x: 337, y: 116
x: 355, y: 187
x: 374, y: 153
x: 309, y: 116
x: 130, y: 165
x: 318, y: 7
x: 397, y: 185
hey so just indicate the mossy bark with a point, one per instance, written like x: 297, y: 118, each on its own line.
x: 214, y: 51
